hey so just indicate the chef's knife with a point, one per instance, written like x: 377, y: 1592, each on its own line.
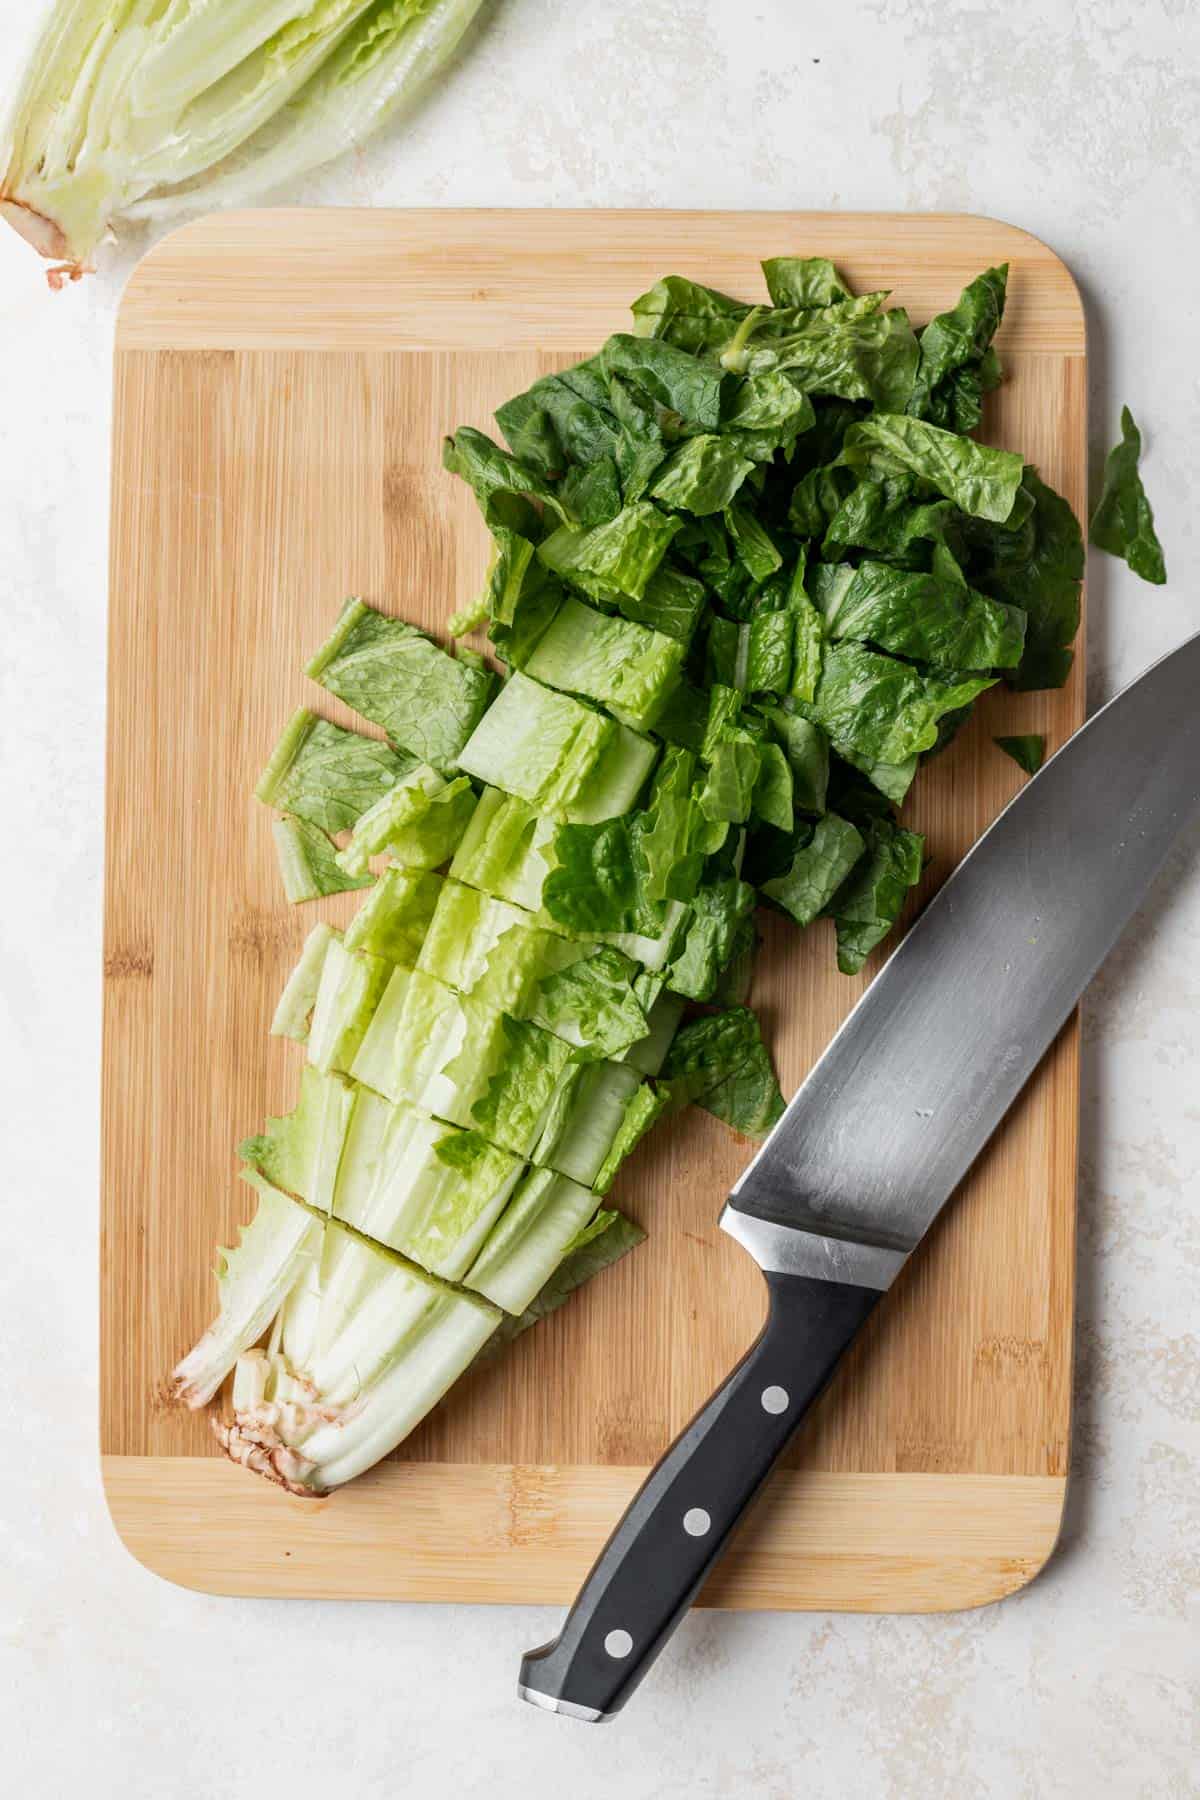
x: 879, y: 1136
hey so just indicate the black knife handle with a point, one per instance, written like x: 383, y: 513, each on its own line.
x: 682, y: 1517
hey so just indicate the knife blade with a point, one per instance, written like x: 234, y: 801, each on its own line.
x: 879, y: 1136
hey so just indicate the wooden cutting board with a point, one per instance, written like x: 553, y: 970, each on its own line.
x: 282, y: 380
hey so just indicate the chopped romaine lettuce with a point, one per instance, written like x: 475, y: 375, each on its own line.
x: 327, y: 776
x: 547, y: 1213
x: 349, y: 990
x: 561, y: 756
x: 427, y: 701
x: 366, y: 1348
x: 294, y: 1010
x: 416, y: 823
x: 300, y: 1153
x: 308, y: 862
x: 392, y: 921
x: 721, y: 1063
x: 626, y: 667
x: 427, y: 1189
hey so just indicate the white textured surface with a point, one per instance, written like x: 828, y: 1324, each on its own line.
x: 1077, y: 120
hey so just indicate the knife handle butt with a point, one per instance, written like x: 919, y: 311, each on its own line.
x: 685, y: 1512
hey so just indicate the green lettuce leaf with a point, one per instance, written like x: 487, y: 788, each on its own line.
x: 602, y: 1242
x: 691, y: 317
x: 803, y: 281
x: 327, y: 776
x: 426, y: 701
x: 980, y: 480
x: 889, y: 516
x: 1123, y: 522
x: 626, y: 667
x: 807, y: 749
x: 1037, y: 564
x: 417, y: 823
x: 1028, y: 750
x: 681, y: 386
x: 701, y: 475
x: 300, y: 1153
x: 559, y: 755
x: 616, y: 560
x: 853, y: 351
x: 721, y: 1063
x: 502, y: 485
x: 822, y: 857
x: 393, y: 919
x: 308, y: 862
x: 546, y: 1215
x: 882, y: 709
x: 714, y: 935
x: 869, y: 904
x: 922, y: 617
x: 954, y: 344
x: 591, y: 1003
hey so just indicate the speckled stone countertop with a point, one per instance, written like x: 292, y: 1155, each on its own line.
x: 1078, y: 119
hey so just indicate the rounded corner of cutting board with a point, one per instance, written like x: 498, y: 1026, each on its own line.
x: 131, y: 1487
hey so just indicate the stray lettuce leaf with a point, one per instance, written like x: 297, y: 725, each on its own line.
x: 427, y: 701
x: 823, y: 857
x: 869, y: 904
x: 1028, y: 750
x: 1123, y: 522
x: 721, y: 1063
x: 308, y: 862
x: 980, y: 480
x: 327, y: 776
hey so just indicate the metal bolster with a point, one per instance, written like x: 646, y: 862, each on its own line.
x: 569, y: 1709
x: 788, y: 1250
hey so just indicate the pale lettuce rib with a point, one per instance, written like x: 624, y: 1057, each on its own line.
x: 547, y: 1213
x: 366, y: 1346
x: 253, y: 1280
x: 421, y: 1187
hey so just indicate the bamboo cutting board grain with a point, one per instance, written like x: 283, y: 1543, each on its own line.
x: 282, y: 381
